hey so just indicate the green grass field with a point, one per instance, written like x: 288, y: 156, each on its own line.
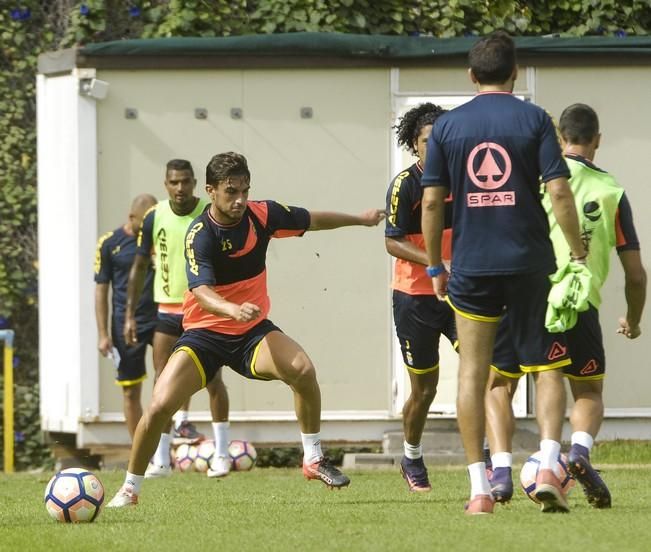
x: 276, y: 509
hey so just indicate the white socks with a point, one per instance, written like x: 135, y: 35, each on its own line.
x: 162, y: 455
x: 549, y: 451
x: 220, y: 429
x: 479, y: 484
x: 134, y: 481
x: 582, y: 438
x: 413, y: 452
x: 502, y: 460
x: 311, y: 447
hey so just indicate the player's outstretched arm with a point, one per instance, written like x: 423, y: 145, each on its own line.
x: 635, y: 291
x: 134, y: 291
x: 209, y: 300
x: 323, y: 220
x: 564, y: 210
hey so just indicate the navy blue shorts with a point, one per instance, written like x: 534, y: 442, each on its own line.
x: 132, y: 368
x: 211, y: 350
x: 585, y: 344
x: 524, y: 298
x: 170, y: 324
x: 420, y: 321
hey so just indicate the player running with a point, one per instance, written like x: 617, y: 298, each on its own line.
x: 419, y: 316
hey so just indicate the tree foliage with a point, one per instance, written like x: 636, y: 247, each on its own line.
x: 29, y: 27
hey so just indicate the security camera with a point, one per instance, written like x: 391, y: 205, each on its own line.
x: 94, y: 88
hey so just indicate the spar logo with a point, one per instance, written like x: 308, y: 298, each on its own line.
x: 489, y: 168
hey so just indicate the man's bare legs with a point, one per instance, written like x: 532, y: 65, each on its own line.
x: 280, y: 357
x: 179, y: 380
x: 414, y: 412
x: 132, y: 405
x: 476, y: 340
x: 414, y: 416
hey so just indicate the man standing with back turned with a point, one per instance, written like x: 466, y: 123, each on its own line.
x: 490, y: 153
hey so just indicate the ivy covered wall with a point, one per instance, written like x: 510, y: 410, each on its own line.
x: 29, y: 27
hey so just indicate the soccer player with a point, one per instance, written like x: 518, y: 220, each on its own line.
x: 490, y: 153
x: 113, y: 258
x: 225, y: 315
x: 606, y: 221
x: 163, y: 233
x: 419, y: 316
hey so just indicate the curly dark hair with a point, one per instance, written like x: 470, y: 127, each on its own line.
x: 411, y: 123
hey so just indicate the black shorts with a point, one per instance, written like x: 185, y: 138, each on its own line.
x: 170, y: 324
x: 523, y: 297
x: 132, y: 368
x: 211, y: 350
x: 585, y: 343
x: 420, y: 321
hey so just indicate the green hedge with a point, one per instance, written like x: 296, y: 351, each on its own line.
x: 30, y: 27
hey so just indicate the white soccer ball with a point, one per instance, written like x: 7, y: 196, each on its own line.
x: 530, y: 471
x: 243, y: 455
x: 74, y: 495
x: 205, y: 452
x: 184, y: 457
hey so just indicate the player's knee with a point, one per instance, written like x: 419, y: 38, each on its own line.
x: 131, y: 393
x: 161, y: 408
x: 302, y: 371
x: 424, y: 395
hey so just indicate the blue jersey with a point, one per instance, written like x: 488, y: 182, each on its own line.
x: 232, y: 260
x: 491, y: 154
x: 113, y: 259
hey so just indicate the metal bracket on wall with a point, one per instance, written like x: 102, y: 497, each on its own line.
x: 130, y: 113
x: 236, y: 113
x: 306, y: 113
x: 200, y: 113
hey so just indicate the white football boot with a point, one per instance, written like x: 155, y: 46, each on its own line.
x: 220, y: 466
x: 124, y: 497
x: 155, y: 470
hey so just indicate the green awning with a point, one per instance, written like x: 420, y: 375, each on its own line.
x: 355, y: 46
x: 334, y: 50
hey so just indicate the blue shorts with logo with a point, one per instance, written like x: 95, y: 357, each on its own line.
x: 211, y: 350
x: 585, y: 344
x: 132, y: 368
x: 524, y: 298
x: 420, y: 322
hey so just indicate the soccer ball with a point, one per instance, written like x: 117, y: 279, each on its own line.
x: 184, y: 457
x: 205, y: 451
x: 243, y: 455
x: 530, y: 471
x: 74, y: 495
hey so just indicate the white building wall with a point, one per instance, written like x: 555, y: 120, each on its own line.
x: 67, y: 218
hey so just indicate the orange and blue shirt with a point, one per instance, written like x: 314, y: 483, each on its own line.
x: 403, y: 207
x: 232, y: 260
